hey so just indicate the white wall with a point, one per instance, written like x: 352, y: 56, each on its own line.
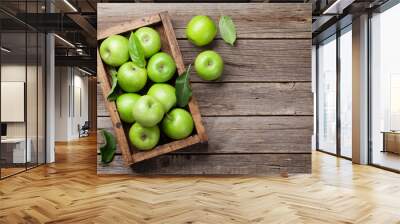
x: 71, y: 102
x: 80, y: 110
x: 61, y: 103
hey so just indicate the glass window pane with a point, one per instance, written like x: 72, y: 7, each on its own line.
x: 14, y: 153
x: 22, y: 89
x: 32, y: 88
x: 327, y: 95
x: 346, y: 93
x: 41, y: 98
x: 385, y: 88
x: 31, y: 97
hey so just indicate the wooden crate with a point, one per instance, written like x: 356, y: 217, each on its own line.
x: 162, y: 23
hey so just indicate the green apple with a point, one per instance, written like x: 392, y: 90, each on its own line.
x: 131, y: 78
x: 147, y: 111
x: 164, y: 93
x: 114, y: 50
x: 201, y: 30
x: 209, y: 65
x: 150, y: 40
x: 125, y: 104
x: 177, y: 124
x: 161, y: 67
x: 144, y: 138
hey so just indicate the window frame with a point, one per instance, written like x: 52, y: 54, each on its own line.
x: 380, y: 9
x: 30, y: 29
x: 339, y: 32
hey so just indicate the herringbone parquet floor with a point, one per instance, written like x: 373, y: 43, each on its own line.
x: 69, y: 191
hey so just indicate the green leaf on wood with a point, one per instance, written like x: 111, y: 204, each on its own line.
x: 107, y: 150
x: 136, y: 51
x: 227, y: 29
x: 112, y: 95
x: 182, y: 87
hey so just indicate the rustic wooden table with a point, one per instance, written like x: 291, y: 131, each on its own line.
x: 259, y: 115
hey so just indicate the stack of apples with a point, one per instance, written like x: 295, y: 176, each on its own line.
x: 148, y: 102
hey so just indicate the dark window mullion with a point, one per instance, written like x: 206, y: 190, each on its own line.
x: 45, y: 87
x: 26, y: 87
x: 369, y: 91
x: 338, y: 76
x: 37, y: 90
x: 317, y: 97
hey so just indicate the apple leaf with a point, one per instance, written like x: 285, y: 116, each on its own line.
x: 112, y: 95
x: 107, y: 150
x: 227, y: 29
x: 136, y: 51
x: 182, y: 87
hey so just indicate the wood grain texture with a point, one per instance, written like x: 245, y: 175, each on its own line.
x: 172, y: 43
x: 259, y: 114
x: 252, y: 20
x: 230, y: 99
x: 213, y: 164
x: 258, y: 60
x: 112, y: 110
x: 165, y: 148
x: 126, y: 26
x: 70, y: 191
x: 283, y: 134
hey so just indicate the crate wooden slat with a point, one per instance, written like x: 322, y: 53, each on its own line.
x: 162, y: 23
x: 112, y: 109
x: 128, y: 26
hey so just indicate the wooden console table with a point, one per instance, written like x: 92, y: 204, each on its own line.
x: 391, y: 141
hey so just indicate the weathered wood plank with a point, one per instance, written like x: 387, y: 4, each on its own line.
x: 127, y: 26
x: 258, y: 60
x: 252, y: 20
x: 232, y: 99
x: 259, y: 115
x: 112, y: 109
x: 162, y: 149
x: 291, y: 134
x: 222, y: 99
x: 237, y: 164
